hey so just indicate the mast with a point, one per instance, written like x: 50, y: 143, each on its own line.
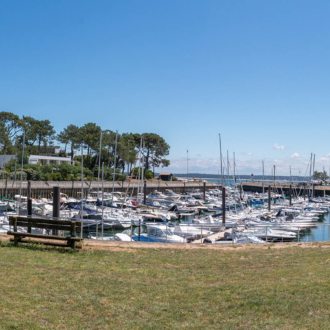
x: 142, y: 177
x: 20, y: 186
x: 274, y: 182
x: 290, y: 175
x: 127, y: 159
x: 15, y: 162
x: 313, y: 192
x: 114, y: 169
x: 263, y: 177
x: 98, y: 170
x: 234, y: 169
x: 102, y: 199
x: 221, y: 161
x: 187, y: 163
x: 228, y: 167
x: 82, y: 185
x: 324, y: 182
x: 234, y: 180
x: 310, y: 174
x: 139, y: 169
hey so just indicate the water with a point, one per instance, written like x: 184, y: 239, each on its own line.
x: 238, y: 181
x: 319, y: 233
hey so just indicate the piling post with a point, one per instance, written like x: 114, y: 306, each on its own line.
x: 72, y: 189
x: 145, y: 193
x: 268, y: 198
x: 29, y: 203
x: 56, y: 205
x: 224, y: 205
x: 204, y: 190
x: 139, y: 233
x: 298, y: 234
x: 6, y: 188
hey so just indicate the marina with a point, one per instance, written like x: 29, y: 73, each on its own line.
x: 209, y: 215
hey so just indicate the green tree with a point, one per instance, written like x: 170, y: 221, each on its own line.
x: 90, y: 134
x: 320, y: 175
x: 10, y: 126
x: 40, y: 132
x: 70, y: 135
x: 155, y: 148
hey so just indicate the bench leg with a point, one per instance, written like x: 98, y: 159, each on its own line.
x: 72, y: 244
x: 16, y: 240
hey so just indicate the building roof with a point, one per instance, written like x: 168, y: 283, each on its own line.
x: 166, y: 173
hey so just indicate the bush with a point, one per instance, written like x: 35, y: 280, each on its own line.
x: 18, y: 175
x: 4, y: 174
x: 149, y: 175
x: 56, y: 176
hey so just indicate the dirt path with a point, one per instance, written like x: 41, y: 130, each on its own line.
x: 134, y: 246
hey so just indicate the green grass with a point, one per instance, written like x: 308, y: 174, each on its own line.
x: 198, y: 288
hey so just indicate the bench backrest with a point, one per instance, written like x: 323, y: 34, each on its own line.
x: 29, y: 222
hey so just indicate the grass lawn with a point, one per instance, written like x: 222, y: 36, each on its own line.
x: 202, y: 288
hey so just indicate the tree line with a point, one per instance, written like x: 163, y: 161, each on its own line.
x: 40, y: 134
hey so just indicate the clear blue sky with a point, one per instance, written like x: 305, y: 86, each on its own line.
x: 255, y: 71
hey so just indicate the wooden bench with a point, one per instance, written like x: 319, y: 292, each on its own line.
x: 74, y: 227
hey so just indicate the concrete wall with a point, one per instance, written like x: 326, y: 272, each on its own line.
x: 73, y: 188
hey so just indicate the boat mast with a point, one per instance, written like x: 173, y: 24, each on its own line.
x: 234, y: 169
x: 313, y: 175
x: 142, y: 177
x: 228, y: 167
x: 98, y: 170
x: 187, y: 164
x: 139, y: 169
x: 114, y: 169
x: 221, y: 161
x: 274, y: 183
x: 263, y: 177
x: 102, y: 199
x: 290, y: 175
x: 324, y: 182
x: 20, y: 186
x: 127, y: 159
x: 82, y: 185
x: 234, y: 180
x: 15, y: 162
x: 310, y: 174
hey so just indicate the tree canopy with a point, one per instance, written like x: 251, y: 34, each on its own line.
x: 41, y: 133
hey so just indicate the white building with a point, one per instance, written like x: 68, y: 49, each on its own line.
x: 37, y: 159
x: 46, y: 160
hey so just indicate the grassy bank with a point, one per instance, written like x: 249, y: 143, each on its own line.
x: 165, y: 288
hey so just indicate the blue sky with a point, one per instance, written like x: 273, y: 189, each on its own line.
x: 255, y: 71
